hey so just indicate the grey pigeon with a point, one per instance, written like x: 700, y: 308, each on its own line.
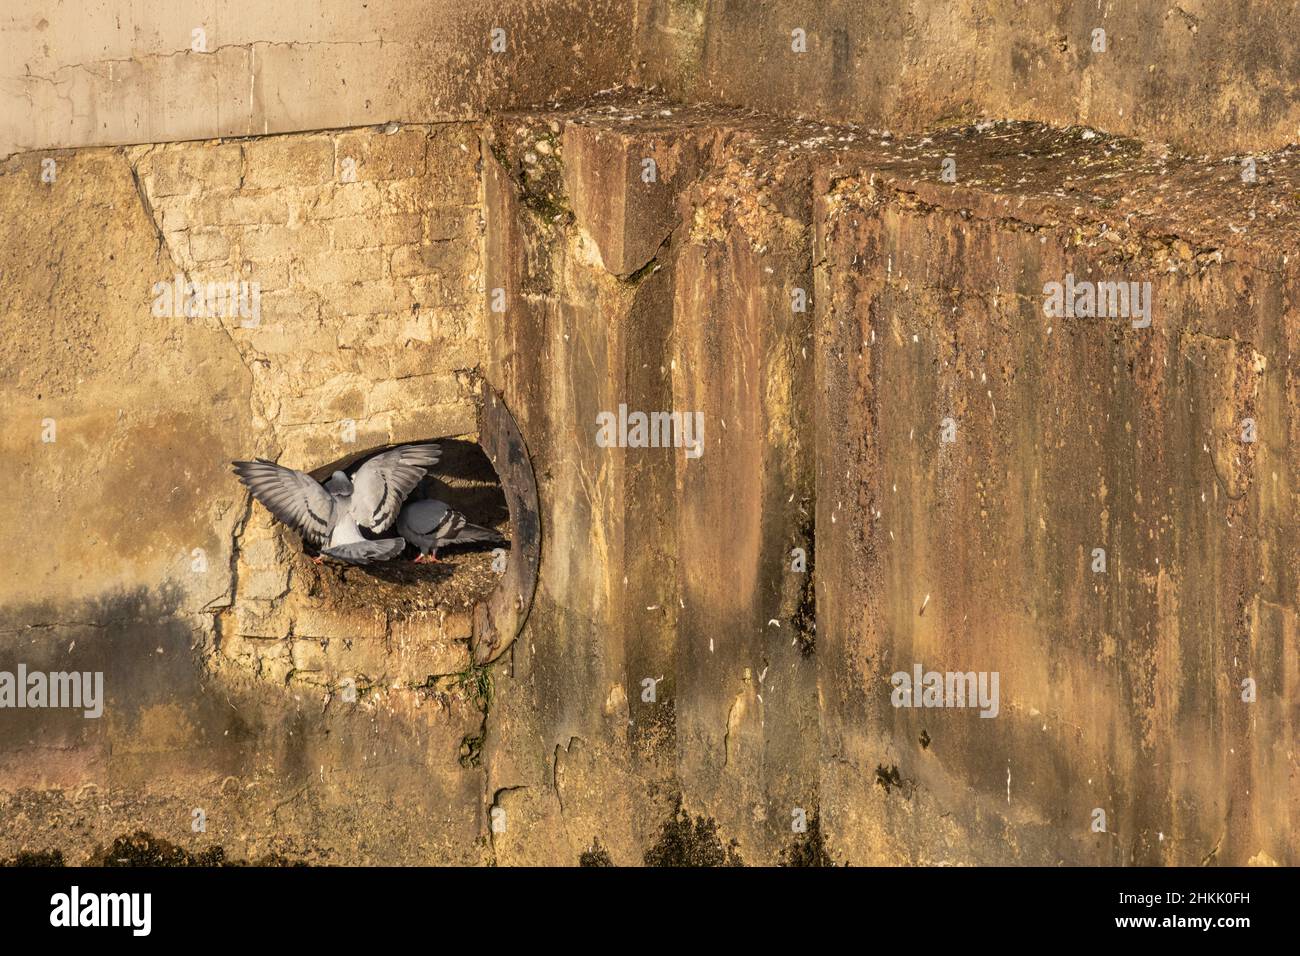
x: 347, y: 545
x: 293, y: 497
x: 327, y: 515
x: 432, y: 524
x: 377, y: 489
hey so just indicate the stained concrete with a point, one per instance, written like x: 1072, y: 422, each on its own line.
x: 1120, y: 691
x: 706, y: 663
x: 107, y: 73
x: 224, y: 649
x: 1214, y: 77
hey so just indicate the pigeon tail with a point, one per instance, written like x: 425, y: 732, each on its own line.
x: 366, y: 552
x: 475, y: 533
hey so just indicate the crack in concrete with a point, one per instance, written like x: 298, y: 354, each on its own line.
x: 147, y: 204
x: 146, y: 57
x: 43, y: 625
x: 174, y: 259
x: 241, y: 525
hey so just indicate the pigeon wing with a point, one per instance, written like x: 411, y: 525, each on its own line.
x: 424, y: 517
x: 367, y: 552
x: 451, y: 526
x: 381, y: 485
x: 293, y: 497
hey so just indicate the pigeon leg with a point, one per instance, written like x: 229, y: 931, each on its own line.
x: 319, y: 559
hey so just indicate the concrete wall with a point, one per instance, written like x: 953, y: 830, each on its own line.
x: 103, y: 72
x: 1120, y: 690
x: 1214, y: 76
x: 815, y: 290
x: 649, y: 652
x: 1217, y: 76
x: 222, y: 646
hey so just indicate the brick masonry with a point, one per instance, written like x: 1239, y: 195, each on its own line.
x: 364, y: 244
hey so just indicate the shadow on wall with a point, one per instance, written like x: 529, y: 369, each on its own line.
x: 144, y: 647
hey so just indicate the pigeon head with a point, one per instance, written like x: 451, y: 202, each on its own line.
x: 339, y: 484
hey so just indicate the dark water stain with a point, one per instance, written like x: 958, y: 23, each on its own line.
x: 805, y: 615
x: 841, y: 71
x: 45, y: 858
x: 596, y: 856
x: 888, y: 777
x: 687, y: 842
x: 150, y: 654
x: 144, y: 849
x: 808, y: 848
x: 144, y: 645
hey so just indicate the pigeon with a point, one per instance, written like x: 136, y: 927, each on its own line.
x: 330, y: 516
x: 347, y: 545
x: 432, y: 524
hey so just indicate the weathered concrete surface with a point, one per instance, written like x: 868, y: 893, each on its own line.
x: 1218, y: 77
x: 922, y: 300
x: 564, y: 762
x: 667, y: 577
x: 1119, y: 690
x: 102, y: 72
x: 744, y: 668
x: 223, y: 648
x: 82, y: 349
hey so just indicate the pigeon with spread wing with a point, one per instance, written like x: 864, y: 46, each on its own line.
x: 330, y: 516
